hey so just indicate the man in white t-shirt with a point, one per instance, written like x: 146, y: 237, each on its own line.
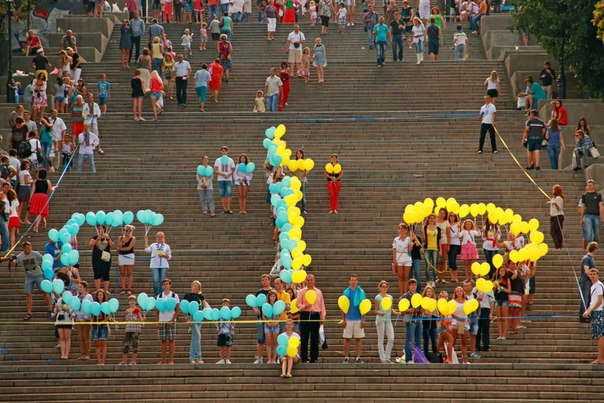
x: 295, y: 43
x: 596, y: 312
x: 460, y: 42
x: 487, y: 119
x: 273, y: 88
x: 182, y: 68
x: 87, y: 141
x: 59, y: 129
x: 166, y: 328
x: 224, y: 166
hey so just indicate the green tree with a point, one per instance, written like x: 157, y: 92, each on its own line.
x: 565, y: 28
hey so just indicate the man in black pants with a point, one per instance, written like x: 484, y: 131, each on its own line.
x: 487, y: 119
x: 183, y: 71
x: 311, y: 317
x: 138, y: 30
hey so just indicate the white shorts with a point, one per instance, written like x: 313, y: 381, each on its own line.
x: 125, y: 260
x: 295, y: 56
x: 404, y: 261
x: 353, y: 330
x: 271, y: 24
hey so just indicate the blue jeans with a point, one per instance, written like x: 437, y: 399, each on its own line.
x: 413, y: 336
x: 195, y: 348
x: 431, y: 259
x: 261, y: 17
x: 237, y: 16
x: 159, y: 274
x: 46, y: 149
x: 474, y: 22
x: 260, y: 336
x: 370, y: 41
x: 397, y: 42
x: 460, y: 53
x: 380, y: 50
x: 4, y: 235
x: 214, y: 11
x: 303, y: 201
x: 591, y: 228
x: 429, y: 334
x: 271, y: 102
x: 415, y: 272
x: 207, y: 200
x: 419, y: 46
x: 488, y: 255
x: 90, y: 158
x: 156, y: 65
x: 554, y: 152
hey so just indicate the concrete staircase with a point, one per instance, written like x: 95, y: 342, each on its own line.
x: 402, y: 134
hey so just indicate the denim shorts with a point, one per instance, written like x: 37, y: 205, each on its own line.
x: 102, y: 101
x: 261, y: 337
x: 225, y: 188
x: 100, y: 332
x: 271, y: 330
x: 155, y: 94
x: 30, y: 281
x: 473, y: 326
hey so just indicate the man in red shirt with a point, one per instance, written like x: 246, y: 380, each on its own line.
x: 33, y: 43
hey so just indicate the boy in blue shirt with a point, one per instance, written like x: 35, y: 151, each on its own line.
x: 103, y: 93
x: 353, y: 322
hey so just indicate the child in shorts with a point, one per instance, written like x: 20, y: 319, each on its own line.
x: 187, y: 41
x: 100, y: 330
x: 342, y: 13
x: 226, y: 330
x: 133, y: 329
x: 103, y: 93
x: 203, y: 36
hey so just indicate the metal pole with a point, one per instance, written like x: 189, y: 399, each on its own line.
x: 10, y: 92
x: 562, y: 76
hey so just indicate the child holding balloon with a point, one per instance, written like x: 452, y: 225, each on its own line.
x: 64, y: 315
x: 334, y: 174
x: 132, y: 331
x: 242, y: 178
x: 100, y: 330
x: 288, y: 360
x: 469, y: 253
x: 226, y: 330
x: 271, y: 329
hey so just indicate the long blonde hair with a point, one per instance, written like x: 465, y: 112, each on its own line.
x: 494, y: 76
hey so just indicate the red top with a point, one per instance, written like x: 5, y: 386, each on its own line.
x: 33, y: 42
x: 156, y: 85
x: 562, y: 116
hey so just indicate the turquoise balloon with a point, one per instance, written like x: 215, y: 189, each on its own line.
x: 286, y: 182
x: 91, y: 218
x: 142, y: 299
x: 267, y: 310
x: 292, y: 244
x: 64, y: 236
x: 200, y: 170
x: 160, y: 305
x: 170, y: 304
x: 140, y: 216
x: 66, y: 297
x: 286, y: 276
x: 275, y: 199
x: 114, y: 305
x: 46, y: 286
x: 250, y: 167
x: 105, y: 308
x: 149, y: 304
x: 225, y: 313
x: 278, y: 307
x: 74, y: 257
x: 241, y: 167
x: 250, y: 299
x: 66, y: 248
x: 287, y: 227
x: 224, y: 160
x: 65, y: 259
x: 286, y: 261
x: 282, y: 350
x: 47, y: 265
x: 235, y: 312
x: 198, y: 316
x: 267, y: 143
x: 73, y: 229
x: 128, y: 217
x: 260, y: 300
x: 80, y: 219
x: 48, y: 273
x: 184, y: 306
x: 47, y: 258
x: 283, y: 340
x: 75, y: 304
x: 158, y: 219
x: 109, y: 219
x: 58, y: 286
x: 209, y: 171
x: 86, y: 306
x: 270, y: 133
x: 95, y: 308
x: 193, y: 307
x: 53, y: 235
x: 207, y: 313
x: 101, y: 216
x: 215, y: 314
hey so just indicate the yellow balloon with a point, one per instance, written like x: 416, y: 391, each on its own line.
x: 482, y: 208
x: 295, y: 233
x: 293, y: 342
x: 291, y: 200
x: 294, y: 211
x: 329, y: 168
x: 513, y: 256
x: 301, y: 246
x: 299, y: 222
x: 484, y: 268
x: 523, y: 255
x: 386, y: 304
x: 292, y: 306
x: 292, y: 351
x: 491, y: 207
x: 474, y: 210
x: 297, y: 263
x: 337, y: 168
x: 509, y: 214
x: 299, y: 195
x: 480, y: 283
x: 492, y: 216
x: 487, y: 286
x: 416, y: 300
x: 451, y: 203
x: 464, y: 210
x: 365, y: 306
x: 344, y: 303
x: 476, y: 268
x: 443, y: 307
x: 470, y: 306
x: 524, y: 227
x: 284, y: 161
x: 295, y: 183
x: 296, y: 253
x: 517, y: 217
x: 280, y: 131
x: 533, y: 224
x: 403, y: 305
x: 432, y: 306
x: 311, y: 296
x: 515, y: 228
x: 306, y: 260
x: 452, y: 307
x: 536, y: 236
x: 543, y: 248
x: 298, y: 276
x: 293, y: 165
x: 429, y: 304
x: 409, y: 218
x: 500, y: 215
x: 309, y: 164
x: 429, y: 203
x: 441, y: 202
x: 497, y: 261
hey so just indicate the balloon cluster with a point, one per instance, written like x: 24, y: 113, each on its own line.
x: 287, y: 345
x: 284, y: 196
x: 115, y: 218
x: 333, y: 169
x: 63, y: 236
x: 149, y: 219
x: 58, y: 287
x: 267, y: 309
x: 364, y: 306
x: 205, y: 171
x: 192, y: 308
x: 249, y: 168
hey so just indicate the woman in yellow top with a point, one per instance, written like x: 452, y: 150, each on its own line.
x: 169, y: 75
x: 443, y: 242
x: 431, y: 237
x: 157, y: 55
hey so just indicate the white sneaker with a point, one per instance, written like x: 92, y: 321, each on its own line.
x: 220, y: 362
x: 258, y: 361
x: 227, y: 361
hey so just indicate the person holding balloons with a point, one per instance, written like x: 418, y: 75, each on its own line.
x: 224, y: 166
x: 100, y: 329
x: 160, y: 256
x: 311, y: 304
x: 166, y: 318
x: 242, y: 178
x: 334, y: 174
x: 445, y: 337
x: 502, y: 290
x: 195, y: 297
x: 429, y: 329
x: 383, y: 321
x: 101, y: 245
x: 459, y: 325
x: 125, y: 258
x: 287, y: 360
x: 401, y: 256
x: 414, y: 328
x: 132, y: 331
x: 64, y: 315
x: 432, y: 235
x: 226, y: 330
x: 82, y: 321
x: 353, y: 321
x: 271, y: 328
x: 490, y: 235
x: 205, y: 175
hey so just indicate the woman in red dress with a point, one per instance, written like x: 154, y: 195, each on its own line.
x: 38, y: 205
x: 285, y: 76
x: 216, y: 71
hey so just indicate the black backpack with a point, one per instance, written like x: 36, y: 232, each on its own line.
x: 24, y: 150
x: 5, y: 171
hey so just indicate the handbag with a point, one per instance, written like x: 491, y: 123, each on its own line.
x: 105, y: 256
x: 594, y: 152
